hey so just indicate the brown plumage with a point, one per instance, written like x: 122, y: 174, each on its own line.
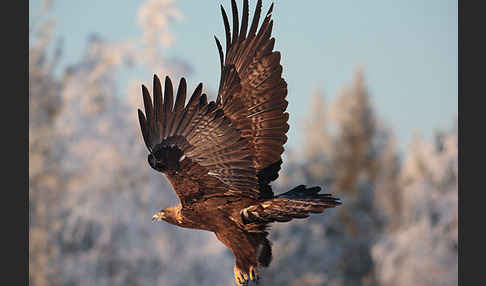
x: 221, y: 156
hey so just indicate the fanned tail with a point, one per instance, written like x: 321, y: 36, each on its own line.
x: 299, y: 202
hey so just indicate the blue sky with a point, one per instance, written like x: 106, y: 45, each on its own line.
x: 408, y: 50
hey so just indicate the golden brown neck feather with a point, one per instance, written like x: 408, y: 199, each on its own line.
x: 173, y: 215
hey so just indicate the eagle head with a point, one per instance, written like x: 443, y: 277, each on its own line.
x: 171, y: 215
x: 159, y: 216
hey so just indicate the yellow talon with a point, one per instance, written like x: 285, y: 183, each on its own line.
x: 253, y: 273
x: 241, y: 278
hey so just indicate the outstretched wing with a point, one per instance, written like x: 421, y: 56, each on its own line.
x: 196, y: 144
x: 251, y: 74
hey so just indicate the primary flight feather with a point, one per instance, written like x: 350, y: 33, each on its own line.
x: 221, y: 156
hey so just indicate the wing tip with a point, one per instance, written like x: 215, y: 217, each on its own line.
x: 182, y: 81
x: 270, y: 10
x: 168, y: 82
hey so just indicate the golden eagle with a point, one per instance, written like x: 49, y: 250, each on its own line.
x: 221, y: 156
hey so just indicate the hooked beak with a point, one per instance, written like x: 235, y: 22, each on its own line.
x: 158, y: 217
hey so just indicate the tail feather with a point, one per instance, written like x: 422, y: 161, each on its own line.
x: 299, y: 202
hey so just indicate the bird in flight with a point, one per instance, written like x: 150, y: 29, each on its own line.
x: 220, y: 156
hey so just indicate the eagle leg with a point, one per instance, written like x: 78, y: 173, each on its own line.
x: 243, y: 279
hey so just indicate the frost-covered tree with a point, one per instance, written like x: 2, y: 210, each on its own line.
x: 44, y: 184
x: 356, y: 126
x: 318, y: 141
x: 334, y: 248
x: 388, y: 200
x: 398, y: 222
x: 91, y: 193
x: 107, y: 237
x: 422, y: 248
